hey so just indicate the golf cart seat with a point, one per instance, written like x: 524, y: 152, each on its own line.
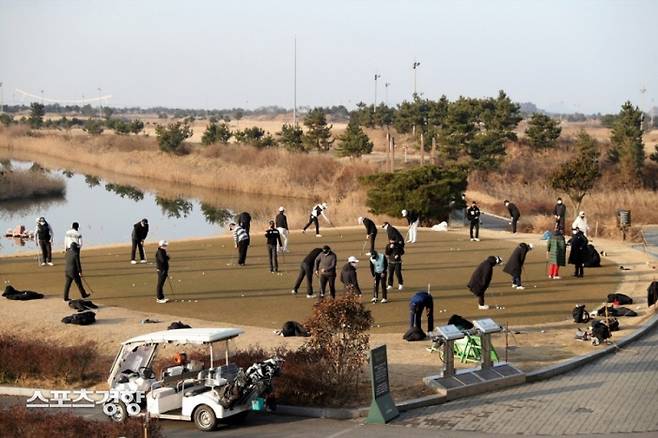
x: 196, y: 391
x: 165, y: 399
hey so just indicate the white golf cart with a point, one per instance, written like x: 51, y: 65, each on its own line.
x: 187, y: 390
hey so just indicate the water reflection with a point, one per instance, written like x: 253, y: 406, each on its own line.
x: 214, y: 215
x: 174, y: 208
x: 125, y: 191
x: 92, y: 181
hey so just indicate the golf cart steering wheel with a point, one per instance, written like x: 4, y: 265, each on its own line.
x: 146, y: 373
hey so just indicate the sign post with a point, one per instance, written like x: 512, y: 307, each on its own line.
x: 382, y: 408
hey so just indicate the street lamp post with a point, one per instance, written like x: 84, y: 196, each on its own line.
x: 386, y: 85
x: 41, y: 97
x: 100, y: 106
x: 2, y: 99
x: 414, y: 66
x: 377, y: 76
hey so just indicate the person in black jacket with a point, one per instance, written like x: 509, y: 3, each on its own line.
x: 514, y: 214
x: 282, y: 225
x: 162, y: 267
x: 73, y: 271
x: 43, y: 234
x: 481, y: 279
x: 473, y: 216
x: 325, y: 268
x: 393, y: 234
x: 140, y: 231
x: 578, y: 254
x: 244, y: 220
x: 514, y: 266
x: 348, y: 276
x: 394, y: 252
x: 371, y: 232
x: 306, y: 270
x: 560, y: 213
x: 273, y: 239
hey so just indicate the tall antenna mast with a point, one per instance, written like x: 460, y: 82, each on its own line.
x: 294, y: 92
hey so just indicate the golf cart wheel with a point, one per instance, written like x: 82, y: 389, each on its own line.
x: 235, y: 419
x: 121, y: 413
x: 204, y: 418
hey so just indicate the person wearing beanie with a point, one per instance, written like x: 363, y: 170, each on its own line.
x: 162, y: 268
x: 306, y: 270
x: 73, y: 235
x: 371, y: 231
x: 273, y: 238
x: 378, y: 269
x: 413, y: 219
x: 394, y: 252
x: 514, y: 214
x: 393, y: 234
x: 514, y: 266
x: 578, y: 253
x: 481, y: 279
x: 140, y: 231
x: 43, y: 234
x: 317, y: 211
x: 241, y: 240
x: 348, y: 276
x: 556, y: 253
x: 282, y: 225
x: 73, y: 271
x: 325, y: 268
x: 473, y: 216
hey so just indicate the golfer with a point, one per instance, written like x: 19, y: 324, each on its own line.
x: 73, y: 271
x: 378, y: 268
x: 140, y: 231
x: 282, y: 226
x: 578, y: 253
x: 317, y: 211
x: 514, y: 266
x: 413, y: 219
x: 273, y: 238
x: 348, y: 276
x: 393, y: 234
x: 473, y: 216
x: 371, y: 232
x: 43, y: 234
x: 560, y: 214
x: 241, y: 239
x: 394, y: 252
x: 481, y: 279
x: 422, y: 300
x: 306, y: 270
x: 244, y: 220
x: 514, y: 214
x: 73, y: 235
x: 162, y: 267
x: 325, y: 268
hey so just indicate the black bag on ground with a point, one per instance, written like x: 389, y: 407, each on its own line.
x: 652, y: 293
x: 592, y: 257
x: 613, y: 324
x: 600, y: 331
x: 293, y: 328
x: 20, y: 295
x: 82, y: 305
x: 616, y: 311
x: 414, y: 334
x: 580, y: 314
x: 620, y: 299
x: 83, y: 318
x: 177, y: 325
x: 460, y: 322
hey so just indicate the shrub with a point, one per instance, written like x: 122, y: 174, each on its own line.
x: 94, y: 127
x: 354, y: 142
x: 172, y: 136
x: 292, y: 138
x: 255, y: 136
x: 543, y: 131
x: 216, y: 133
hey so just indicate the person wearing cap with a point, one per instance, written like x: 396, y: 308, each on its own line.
x: 325, y: 268
x: 473, y: 216
x: 393, y: 234
x: 273, y: 238
x: 413, y: 219
x: 422, y: 300
x: 514, y: 214
x: 306, y: 270
x: 394, y: 252
x: 481, y: 279
x: 578, y: 253
x: 378, y: 269
x: 556, y: 253
x: 241, y: 239
x: 162, y: 267
x: 560, y: 214
x: 580, y: 223
x: 348, y: 276
x: 73, y: 271
x: 73, y: 235
x: 282, y: 225
x: 140, y: 231
x: 43, y: 234
x: 317, y: 211
x: 371, y: 231
x: 514, y: 266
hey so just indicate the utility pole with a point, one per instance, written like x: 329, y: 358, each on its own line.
x: 386, y: 85
x: 414, y: 66
x: 422, y: 148
x: 100, y: 106
x: 41, y: 97
x: 377, y: 76
x: 294, y: 87
x: 2, y: 99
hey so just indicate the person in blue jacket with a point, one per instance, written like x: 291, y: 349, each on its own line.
x: 422, y: 300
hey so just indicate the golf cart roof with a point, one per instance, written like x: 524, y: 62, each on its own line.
x: 186, y: 336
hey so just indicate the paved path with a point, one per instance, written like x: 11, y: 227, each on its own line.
x: 617, y: 394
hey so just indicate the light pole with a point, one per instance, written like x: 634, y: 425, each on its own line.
x: 414, y: 66
x: 377, y: 76
x: 386, y: 85
x: 2, y: 99
x: 41, y: 97
x: 100, y: 107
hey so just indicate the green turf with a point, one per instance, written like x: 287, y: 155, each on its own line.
x: 204, y: 272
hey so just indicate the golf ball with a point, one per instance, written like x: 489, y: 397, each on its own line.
x: 133, y: 284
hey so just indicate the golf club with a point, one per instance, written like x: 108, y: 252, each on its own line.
x: 171, y: 287
x: 363, y: 248
x: 84, y: 280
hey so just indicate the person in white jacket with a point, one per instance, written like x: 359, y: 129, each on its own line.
x: 580, y: 223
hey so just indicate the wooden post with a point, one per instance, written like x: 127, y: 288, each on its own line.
x: 392, y: 154
x: 405, y: 154
x: 433, y: 158
x: 422, y: 149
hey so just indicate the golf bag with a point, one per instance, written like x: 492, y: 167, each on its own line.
x: 83, y: 318
x: 620, y: 299
x: 293, y: 328
x: 256, y: 380
x: 178, y: 325
x: 652, y: 293
x: 580, y: 314
x: 414, y: 334
x: 20, y: 295
x: 592, y: 257
x: 82, y: 305
x: 460, y: 322
x: 600, y: 331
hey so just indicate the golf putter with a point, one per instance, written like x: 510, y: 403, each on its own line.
x: 84, y: 280
x: 363, y: 248
x: 171, y: 286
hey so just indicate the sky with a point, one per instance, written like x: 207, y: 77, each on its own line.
x: 562, y: 55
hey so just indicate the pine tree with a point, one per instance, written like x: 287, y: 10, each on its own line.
x: 318, y: 134
x: 291, y: 137
x: 627, y: 146
x: 543, y: 131
x: 354, y: 142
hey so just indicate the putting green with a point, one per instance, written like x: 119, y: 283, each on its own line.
x: 207, y: 283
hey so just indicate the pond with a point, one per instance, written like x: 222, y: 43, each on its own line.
x: 106, y: 211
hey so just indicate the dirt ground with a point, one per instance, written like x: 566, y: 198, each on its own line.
x: 209, y: 290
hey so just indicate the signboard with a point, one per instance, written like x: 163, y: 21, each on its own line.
x: 382, y: 408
